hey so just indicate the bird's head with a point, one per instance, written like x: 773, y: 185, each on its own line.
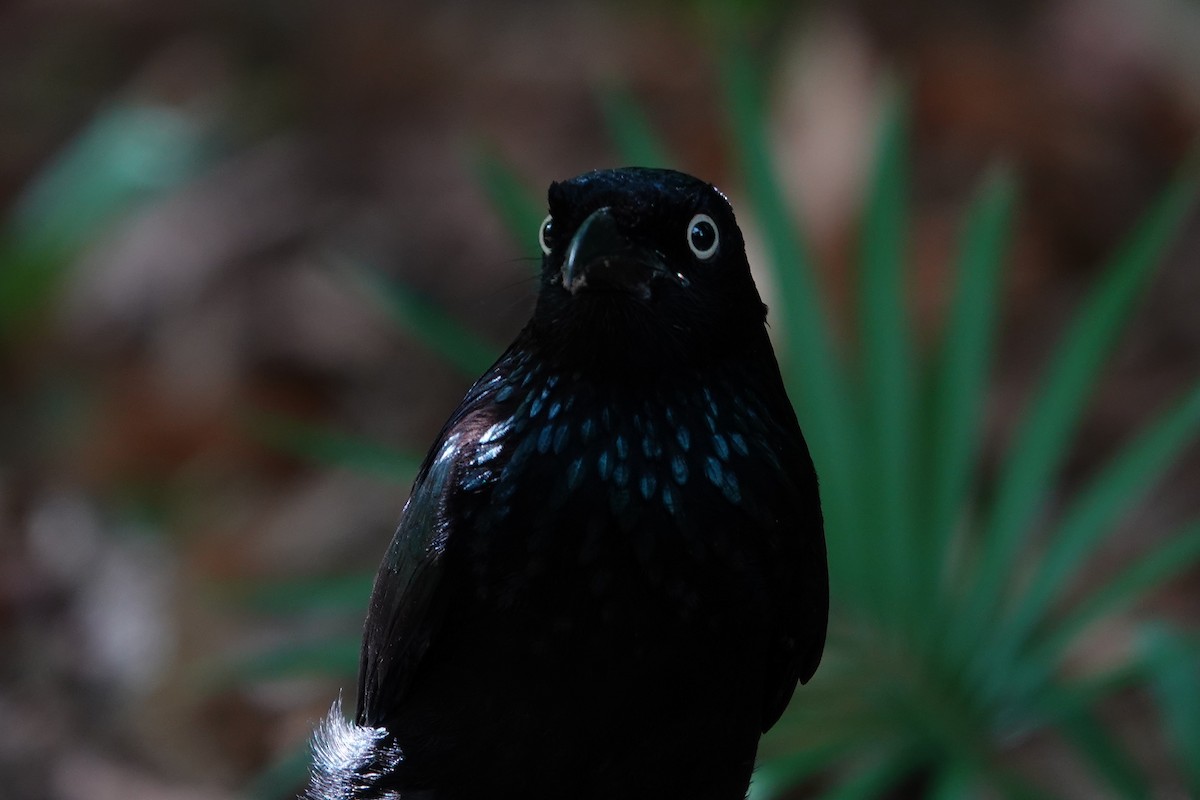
x: 643, y: 267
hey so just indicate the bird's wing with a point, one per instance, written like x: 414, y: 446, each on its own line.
x: 404, y: 608
x: 798, y: 576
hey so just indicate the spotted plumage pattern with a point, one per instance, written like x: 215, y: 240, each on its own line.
x: 610, y: 574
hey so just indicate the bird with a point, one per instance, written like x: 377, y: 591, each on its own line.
x: 610, y: 574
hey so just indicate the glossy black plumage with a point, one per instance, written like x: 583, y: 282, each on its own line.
x: 611, y: 572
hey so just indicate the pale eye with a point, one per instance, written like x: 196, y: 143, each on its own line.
x: 702, y: 237
x: 546, y: 233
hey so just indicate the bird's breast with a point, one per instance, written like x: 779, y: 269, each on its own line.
x: 600, y: 500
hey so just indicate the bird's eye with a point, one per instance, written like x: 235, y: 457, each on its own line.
x: 546, y: 233
x: 702, y: 236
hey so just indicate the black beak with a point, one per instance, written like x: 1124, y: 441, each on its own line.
x: 601, y: 257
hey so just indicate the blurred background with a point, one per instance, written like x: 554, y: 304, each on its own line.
x: 208, y: 424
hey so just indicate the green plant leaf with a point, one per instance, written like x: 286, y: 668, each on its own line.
x: 960, y: 380
x: 1058, y: 699
x: 1177, y: 553
x: 888, y: 376
x: 1094, y: 513
x: 520, y: 209
x: 1044, y: 437
x: 875, y: 778
x: 814, y: 377
x: 772, y: 777
x: 631, y: 132
x: 954, y: 781
x: 336, y: 656
x: 330, y: 448
x: 300, y: 596
x: 125, y: 156
x: 1107, y: 759
x: 1173, y: 667
x: 283, y: 778
x: 436, y: 329
x: 957, y: 779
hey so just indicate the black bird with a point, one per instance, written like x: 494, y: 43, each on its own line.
x: 611, y: 571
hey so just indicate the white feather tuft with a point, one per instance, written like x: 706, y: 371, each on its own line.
x: 349, y: 760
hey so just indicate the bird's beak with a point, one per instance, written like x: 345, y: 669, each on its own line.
x: 601, y: 257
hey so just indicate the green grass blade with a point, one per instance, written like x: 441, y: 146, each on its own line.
x: 330, y: 448
x: 958, y: 779
x: 521, y: 209
x: 889, y: 374
x: 124, y: 157
x: 960, y: 381
x: 953, y: 781
x: 437, y: 330
x: 1056, y: 700
x: 875, y: 779
x: 1107, y: 760
x: 776, y: 776
x: 283, y: 778
x: 635, y: 140
x: 1178, y: 554
x: 337, y: 656
x: 29, y: 279
x: 1094, y: 514
x: 814, y: 377
x: 330, y: 594
x: 1043, y: 439
x: 1173, y: 665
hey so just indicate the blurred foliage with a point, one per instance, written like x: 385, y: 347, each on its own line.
x: 323, y: 446
x: 952, y: 620
x: 126, y: 156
